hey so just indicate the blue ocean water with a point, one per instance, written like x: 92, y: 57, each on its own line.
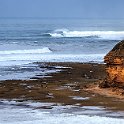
x: 27, y: 40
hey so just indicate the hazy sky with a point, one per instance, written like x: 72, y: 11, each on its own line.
x: 62, y: 8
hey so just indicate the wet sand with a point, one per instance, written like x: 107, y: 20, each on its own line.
x: 75, y: 85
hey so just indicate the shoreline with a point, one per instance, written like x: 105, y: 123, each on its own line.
x: 76, y: 84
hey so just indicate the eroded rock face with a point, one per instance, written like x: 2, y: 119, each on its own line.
x: 115, y: 73
x: 116, y: 55
x: 115, y: 66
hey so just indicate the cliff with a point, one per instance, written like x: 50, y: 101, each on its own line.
x: 115, y: 67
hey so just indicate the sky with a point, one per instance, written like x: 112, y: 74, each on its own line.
x: 62, y: 8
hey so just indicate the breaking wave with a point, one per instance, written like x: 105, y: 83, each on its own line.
x: 30, y: 51
x: 112, y: 35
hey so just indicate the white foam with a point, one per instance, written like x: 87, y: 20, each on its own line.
x: 28, y: 116
x: 12, y: 114
x: 20, y: 59
x: 30, y: 51
x: 112, y: 35
x: 72, y: 119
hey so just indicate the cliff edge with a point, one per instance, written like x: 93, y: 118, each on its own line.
x: 115, y: 67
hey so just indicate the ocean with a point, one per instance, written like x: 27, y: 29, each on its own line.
x: 25, y: 41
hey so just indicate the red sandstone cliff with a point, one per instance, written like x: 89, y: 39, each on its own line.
x: 115, y: 67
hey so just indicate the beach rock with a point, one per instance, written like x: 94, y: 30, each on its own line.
x: 115, y: 66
